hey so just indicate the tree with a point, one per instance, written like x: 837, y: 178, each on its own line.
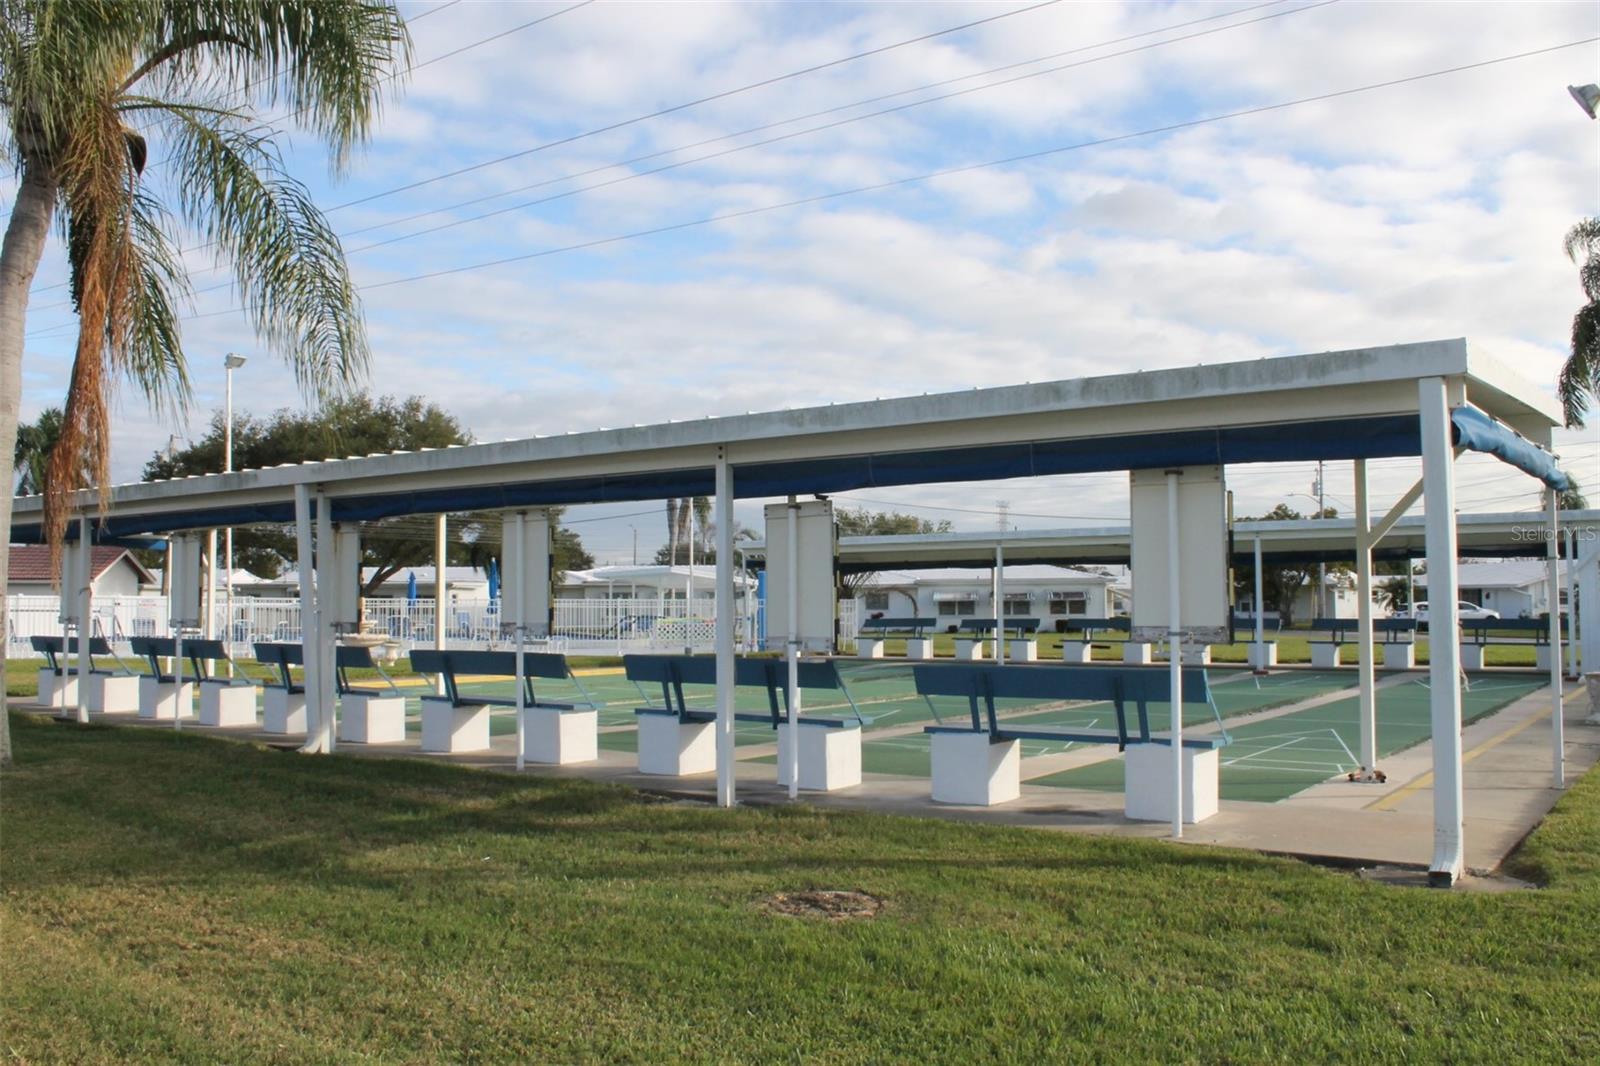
x: 354, y: 425
x: 1572, y: 498
x: 87, y: 88
x: 861, y: 522
x: 1580, y: 375
x: 33, y: 451
x: 1280, y: 583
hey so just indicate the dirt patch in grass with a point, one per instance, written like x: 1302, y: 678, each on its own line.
x: 834, y: 905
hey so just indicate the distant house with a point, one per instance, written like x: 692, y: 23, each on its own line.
x: 116, y: 572
x: 1517, y: 588
x: 470, y: 583
x: 1050, y: 593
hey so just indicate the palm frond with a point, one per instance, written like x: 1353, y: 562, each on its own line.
x: 1580, y: 375
x: 287, y: 261
x: 152, y: 357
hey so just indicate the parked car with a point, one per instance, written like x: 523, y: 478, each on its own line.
x: 1465, y: 612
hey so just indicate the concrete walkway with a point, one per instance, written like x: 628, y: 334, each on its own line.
x: 1507, y: 784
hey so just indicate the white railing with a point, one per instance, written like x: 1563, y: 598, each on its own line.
x: 585, y: 626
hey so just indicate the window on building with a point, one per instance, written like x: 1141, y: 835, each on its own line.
x: 1069, y: 603
x: 876, y: 601
x: 951, y: 608
x: 1016, y: 605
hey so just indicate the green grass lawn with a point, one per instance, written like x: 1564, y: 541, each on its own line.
x: 178, y: 898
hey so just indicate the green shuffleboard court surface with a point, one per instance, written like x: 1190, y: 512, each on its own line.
x: 1235, y: 694
x: 1272, y: 760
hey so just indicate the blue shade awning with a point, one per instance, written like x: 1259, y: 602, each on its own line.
x: 1475, y: 430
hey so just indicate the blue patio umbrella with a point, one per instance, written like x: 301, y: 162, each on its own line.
x: 494, y: 580
x: 411, y: 585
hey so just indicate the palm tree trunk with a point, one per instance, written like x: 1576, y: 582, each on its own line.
x: 19, y: 259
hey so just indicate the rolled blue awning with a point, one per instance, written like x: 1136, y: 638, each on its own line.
x: 1475, y: 430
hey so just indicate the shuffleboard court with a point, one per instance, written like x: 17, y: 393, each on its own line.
x: 1234, y: 695
x: 1272, y: 760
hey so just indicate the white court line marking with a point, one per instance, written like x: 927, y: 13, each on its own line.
x: 1345, y: 746
x: 1263, y: 751
x: 1287, y: 768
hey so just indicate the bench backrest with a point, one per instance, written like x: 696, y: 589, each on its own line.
x: 1119, y: 685
x: 154, y: 649
x: 1082, y: 624
x: 672, y: 672
x: 205, y: 650
x: 281, y: 657
x: 450, y: 664
x: 1481, y: 627
x: 899, y: 625
x: 986, y: 625
x: 51, y: 647
x: 1336, y: 625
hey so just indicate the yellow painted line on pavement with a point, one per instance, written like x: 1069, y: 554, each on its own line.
x: 1393, y: 799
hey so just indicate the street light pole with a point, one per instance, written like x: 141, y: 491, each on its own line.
x: 229, y: 364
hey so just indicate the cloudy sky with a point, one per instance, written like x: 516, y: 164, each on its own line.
x: 1138, y: 235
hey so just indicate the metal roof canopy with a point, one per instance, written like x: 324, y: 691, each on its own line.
x: 1504, y: 535
x: 1355, y: 404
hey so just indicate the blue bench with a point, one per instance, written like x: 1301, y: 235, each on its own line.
x: 283, y: 703
x: 105, y: 691
x: 973, y: 631
x: 457, y: 721
x: 163, y: 695
x: 224, y: 701
x: 1398, y: 635
x: 1486, y: 631
x: 675, y: 739
x: 979, y: 763
x: 874, y: 631
x: 1087, y: 627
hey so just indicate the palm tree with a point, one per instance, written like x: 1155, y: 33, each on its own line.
x: 87, y: 88
x: 1580, y: 375
x: 33, y: 451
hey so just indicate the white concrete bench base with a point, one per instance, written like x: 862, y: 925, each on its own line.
x: 283, y: 711
x: 919, y: 648
x: 1398, y: 656
x: 113, y: 693
x: 869, y: 648
x: 1023, y: 651
x: 1325, y: 656
x: 971, y: 650
x: 227, y: 705
x: 560, y: 737
x: 1200, y: 656
x: 454, y: 729
x: 1541, y: 656
x: 672, y: 748
x: 1136, y: 653
x: 382, y: 720
x: 162, y: 700
x: 1148, y: 791
x: 1472, y: 657
x: 969, y: 770
x: 56, y: 690
x: 830, y: 756
x: 1075, y: 651
x: 1264, y: 656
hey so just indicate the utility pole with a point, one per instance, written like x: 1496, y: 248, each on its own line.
x: 1322, y: 568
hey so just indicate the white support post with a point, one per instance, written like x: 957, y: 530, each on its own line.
x: 1558, y: 768
x: 999, y: 605
x: 1572, y: 604
x: 1175, y: 649
x: 441, y: 591
x: 793, y: 651
x: 308, y: 615
x: 1444, y: 665
x: 1365, y: 667
x: 519, y: 562
x: 327, y: 577
x: 1261, y: 622
x: 208, y: 619
x: 724, y: 630
x: 85, y: 582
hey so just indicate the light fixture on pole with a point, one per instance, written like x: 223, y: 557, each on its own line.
x: 230, y: 363
x: 1588, y: 97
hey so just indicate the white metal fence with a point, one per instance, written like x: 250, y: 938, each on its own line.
x: 581, y: 625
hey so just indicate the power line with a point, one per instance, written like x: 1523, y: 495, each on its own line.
x: 723, y: 95
x: 971, y: 167
x: 810, y: 115
x: 770, y: 141
x: 793, y: 134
